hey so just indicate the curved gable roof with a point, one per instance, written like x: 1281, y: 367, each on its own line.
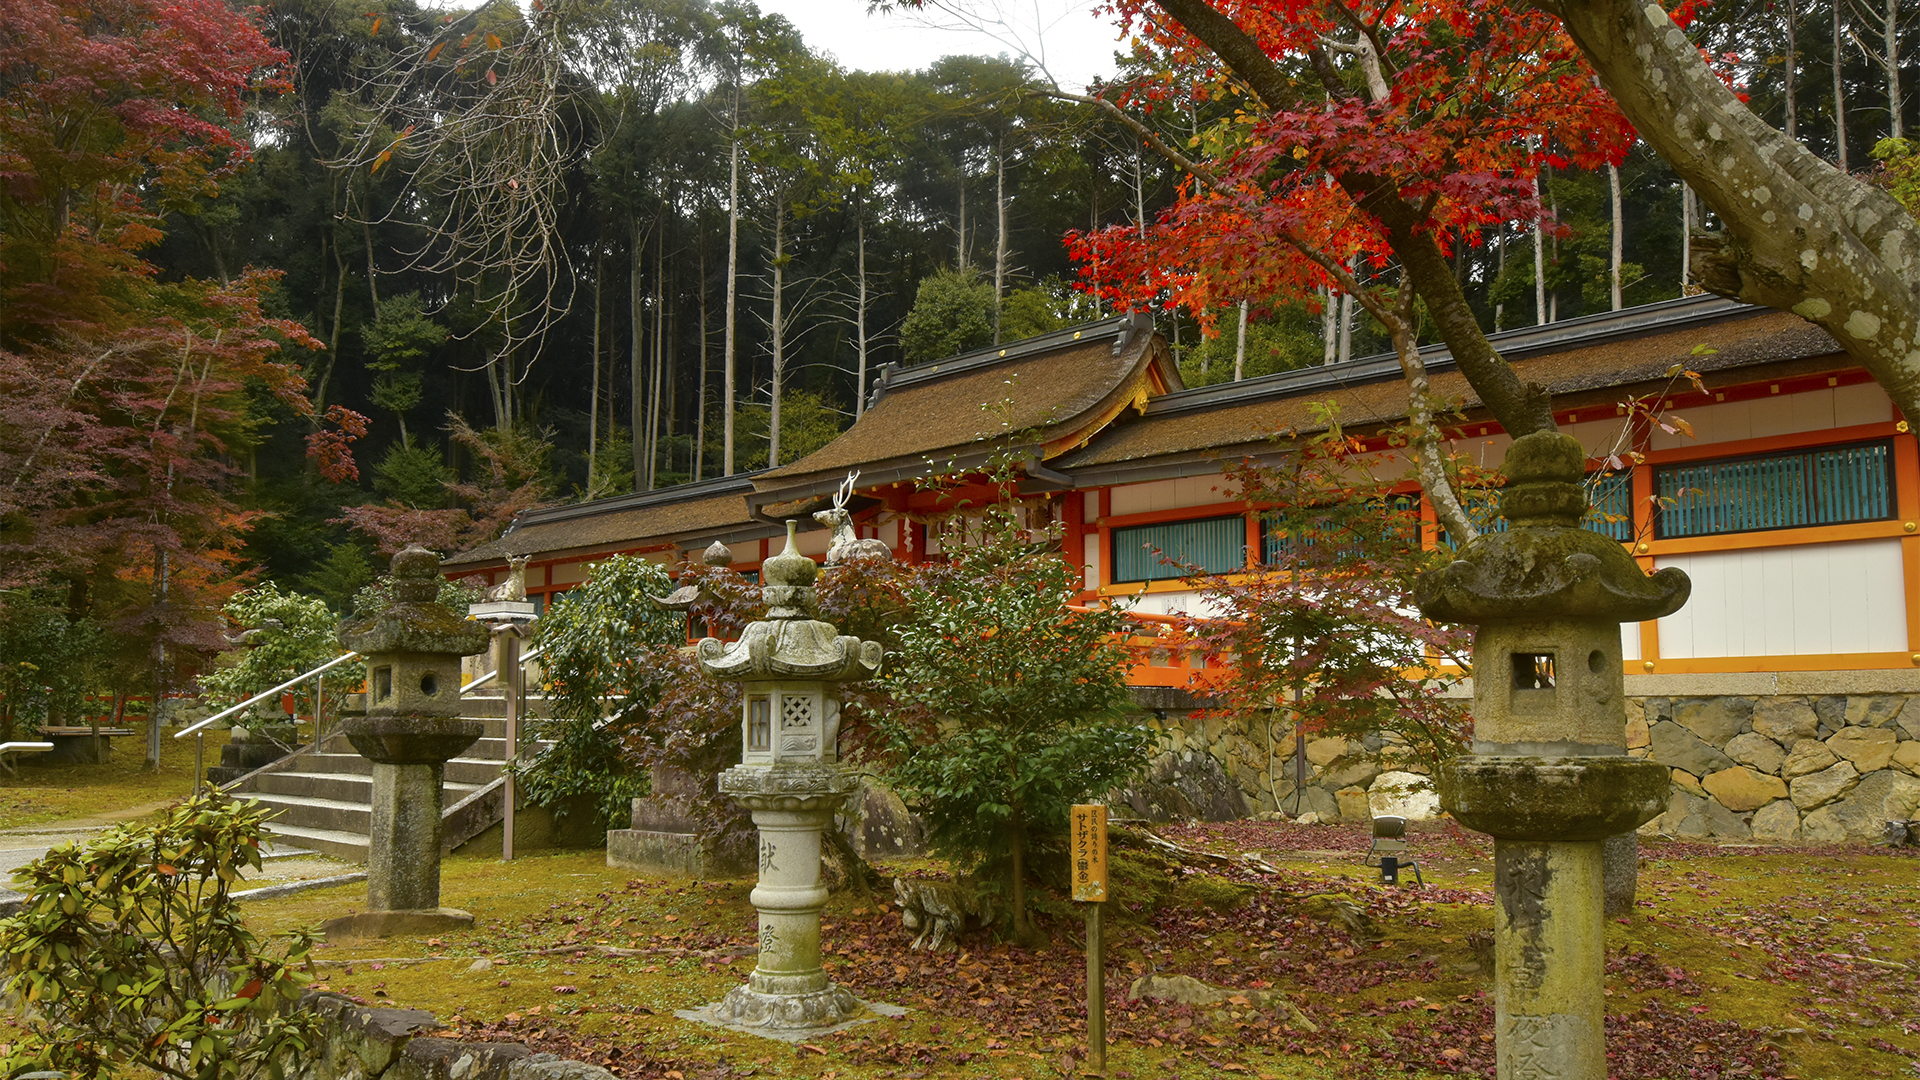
x: 1063, y: 387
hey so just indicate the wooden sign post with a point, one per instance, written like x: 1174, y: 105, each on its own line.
x: 1090, y: 886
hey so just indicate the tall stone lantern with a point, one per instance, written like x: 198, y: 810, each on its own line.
x: 410, y: 730
x: 791, y: 780
x: 1549, y: 777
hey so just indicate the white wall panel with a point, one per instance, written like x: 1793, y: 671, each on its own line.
x: 1174, y: 494
x: 1810, y: 599
x: 1778, y: 414
x: 1630, y: 641
x: 1485, y: 450
x: 1862, y: 403
x: 1184, y: 602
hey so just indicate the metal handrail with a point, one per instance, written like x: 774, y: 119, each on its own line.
x: 489, y: 676
x: 265, y: 694
x: 198, y: 730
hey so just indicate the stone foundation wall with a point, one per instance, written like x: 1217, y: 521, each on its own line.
x: 1752, y: 759
x: 1812, y: 768
x: 1220, y: 769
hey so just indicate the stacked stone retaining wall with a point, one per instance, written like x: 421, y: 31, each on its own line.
x: 1214, y: 768
x: 1815, y: 768
x: 1765, y: 767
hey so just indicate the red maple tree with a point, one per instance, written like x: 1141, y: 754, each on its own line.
x: 125, y: 400
x: 1350, y: 128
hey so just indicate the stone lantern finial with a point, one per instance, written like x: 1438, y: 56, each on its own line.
x: 1549, y: 777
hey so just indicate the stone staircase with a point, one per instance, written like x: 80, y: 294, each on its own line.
x: 324, y: 793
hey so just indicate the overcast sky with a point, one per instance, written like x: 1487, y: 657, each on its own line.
x: 1075, y: 43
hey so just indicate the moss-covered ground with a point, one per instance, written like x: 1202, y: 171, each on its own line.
x: 119, y: 788
x: 1736, y: 962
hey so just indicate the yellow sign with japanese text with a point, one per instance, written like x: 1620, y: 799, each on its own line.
x: 1090, y: 853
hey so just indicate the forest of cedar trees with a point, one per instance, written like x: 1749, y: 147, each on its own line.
x: 287, y: 287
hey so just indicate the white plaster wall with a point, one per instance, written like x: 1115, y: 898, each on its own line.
x: 814, y: 539
x: 1810, y: 599
x: 1630, y: 641
x: 1093, y: 547
x: 1168, y: 494
x: 1183, y: 602
x: 1601, y: 437
x: 1780, y: 414
x: 1485, y: 450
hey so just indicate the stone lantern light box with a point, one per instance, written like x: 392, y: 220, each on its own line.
x: 789, y: 721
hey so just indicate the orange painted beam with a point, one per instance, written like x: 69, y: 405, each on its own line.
x: 1808, y: 662
x: 1772, y: 538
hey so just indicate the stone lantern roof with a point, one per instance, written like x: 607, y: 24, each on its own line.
x: 416, y: 622
x: 1545, y: 562
x: 790, y: 643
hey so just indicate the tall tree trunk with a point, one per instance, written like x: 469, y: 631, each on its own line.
x: 373, y: 273
x: 1839, y: 87
x: 1891, y: 31
x: 331, y: 235
x: 860, y: 319
x: 1499, y: 267
x: 1539, y: 262
x: 733, y: 288
x: 1329, y: 325
x: 1240, y: 346
x: 1686, y: 237
x: 1000, y: 240
x: 656, y: 357
x: 1793, y: 67
x: 636, y: 352
x: 593, y: 409
x: 1619, y: 231
x: 1345, y: 352
x: 700, y: 408
x: 960, y: 225
x: 670, y: 394
x: 778, y: 328
x: 1093, y: 226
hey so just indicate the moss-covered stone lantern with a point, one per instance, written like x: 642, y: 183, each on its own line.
x: 790, y: 778
x: 410, y: 729
x: 1549, y: 777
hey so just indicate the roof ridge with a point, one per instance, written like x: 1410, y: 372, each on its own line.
x: 893, y: 376
x: 717, y: 485
x: 1511, y: 344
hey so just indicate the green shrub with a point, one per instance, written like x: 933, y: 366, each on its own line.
x: 289, y: 635
x: 129, y: 952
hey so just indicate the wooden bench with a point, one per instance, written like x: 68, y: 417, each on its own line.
x: 74, y: 745
x: 9, y: 749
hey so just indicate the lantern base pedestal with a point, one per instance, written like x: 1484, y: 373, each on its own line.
x: 752, y: 1013
x: 381, y: 924
x: 825, y: 1007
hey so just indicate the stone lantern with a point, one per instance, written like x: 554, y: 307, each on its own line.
x: 1549, y: 777
x: 791, y: 780
x: 410, y: 730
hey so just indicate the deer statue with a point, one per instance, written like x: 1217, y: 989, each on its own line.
x: 515, y: 587
x: 846, y: 545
